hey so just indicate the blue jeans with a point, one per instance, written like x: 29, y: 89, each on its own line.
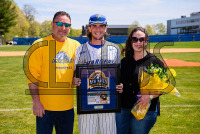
x: 62, y: 120
x: 127, y: 124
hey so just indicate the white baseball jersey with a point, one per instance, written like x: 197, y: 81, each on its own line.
x: 109, y: 53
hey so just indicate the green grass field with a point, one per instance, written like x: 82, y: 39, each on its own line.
x: 178, y: 114
x: 14, y: 48
x: 192, y: 57
x: 191, y: 44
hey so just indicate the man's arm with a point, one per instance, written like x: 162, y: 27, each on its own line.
x: 38, y: 108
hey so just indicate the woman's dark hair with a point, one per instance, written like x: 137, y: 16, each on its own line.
x: 62, y: 13
x: 129, y: 52
x: 89, y: 35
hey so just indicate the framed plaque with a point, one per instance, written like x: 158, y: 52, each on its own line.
x: 97, y: 92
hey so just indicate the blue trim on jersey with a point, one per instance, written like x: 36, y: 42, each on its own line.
x: 96, y: 46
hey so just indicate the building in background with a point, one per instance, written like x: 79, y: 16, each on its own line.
x: 184, y: 25
x: 113, y: 30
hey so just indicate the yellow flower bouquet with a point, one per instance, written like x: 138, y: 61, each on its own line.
x: 154, y: 80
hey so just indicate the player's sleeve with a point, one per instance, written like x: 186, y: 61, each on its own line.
x: 77, y: 55
x: 118, y: 61
x: 118, y: 55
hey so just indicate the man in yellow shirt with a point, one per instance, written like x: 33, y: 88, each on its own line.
x: 50, y: 68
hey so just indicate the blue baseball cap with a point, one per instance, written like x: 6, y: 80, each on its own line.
x: 97, y: 18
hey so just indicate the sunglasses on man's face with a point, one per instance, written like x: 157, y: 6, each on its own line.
x: 135, y: 39
x: 60, y: 24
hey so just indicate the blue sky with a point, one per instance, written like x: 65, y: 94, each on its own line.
x: 117, y: 12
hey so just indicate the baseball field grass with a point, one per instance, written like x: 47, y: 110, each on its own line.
x: 191, y: 44
x: 14, y: 48
x: 189, y: 56
x: 178, y: 114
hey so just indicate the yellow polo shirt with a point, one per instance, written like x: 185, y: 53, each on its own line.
x: 51, y: 64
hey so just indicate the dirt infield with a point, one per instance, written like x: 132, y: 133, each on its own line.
x: 12, y: 53
x: 176, y: 50
x: 169, y: 62
x: 180, y: 63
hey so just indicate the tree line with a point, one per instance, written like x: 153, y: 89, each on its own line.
x: 16, y: 22
x: 156, y: 29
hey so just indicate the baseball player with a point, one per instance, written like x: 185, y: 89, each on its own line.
x: 97, y: 51
x: 98, y: 99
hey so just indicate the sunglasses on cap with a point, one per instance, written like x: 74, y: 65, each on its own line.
x: 135, y: 39
x: 60, y: 24
x: 97, y: 18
